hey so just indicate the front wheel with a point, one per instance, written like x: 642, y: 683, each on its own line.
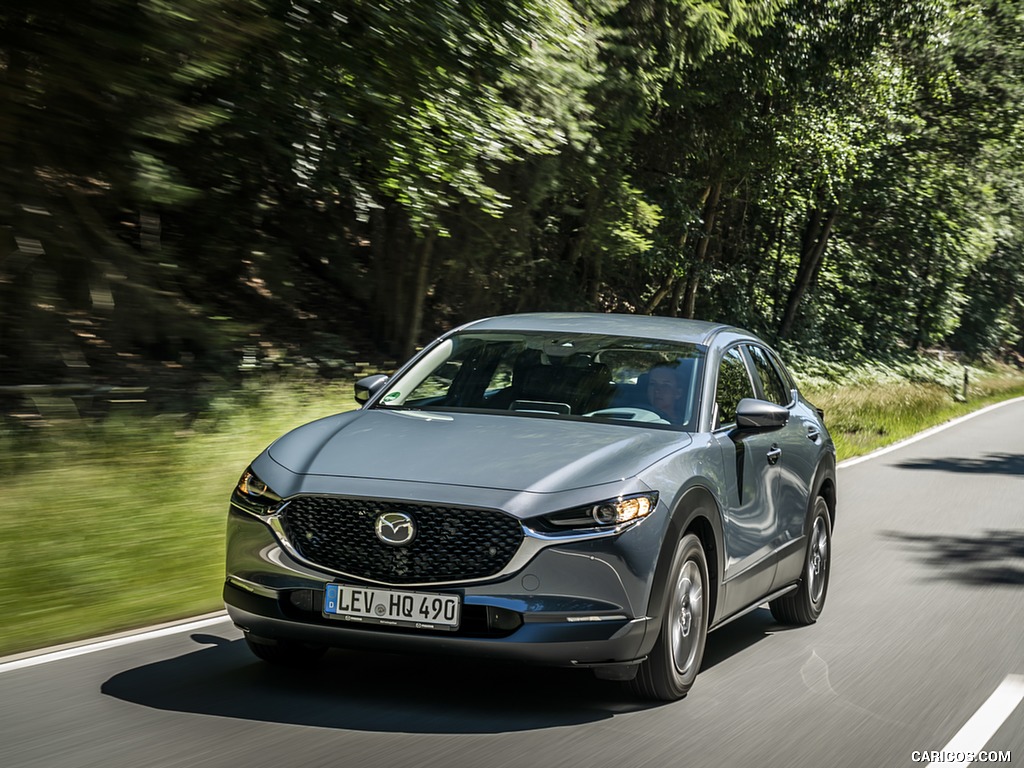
x: 669, y: 672
x: 803, y: 605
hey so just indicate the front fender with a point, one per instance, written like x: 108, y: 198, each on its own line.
x: 699, y: 512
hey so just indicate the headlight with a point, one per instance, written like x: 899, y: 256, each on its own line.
x: 604, y: 514
x: 255, y: 496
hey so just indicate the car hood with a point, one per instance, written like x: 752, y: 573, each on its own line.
x: 505, y: 452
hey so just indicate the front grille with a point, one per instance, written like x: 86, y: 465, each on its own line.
x: 451, y: 544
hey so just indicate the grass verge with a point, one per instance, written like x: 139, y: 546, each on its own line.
x: 121, y: 524
x: 872, y: 406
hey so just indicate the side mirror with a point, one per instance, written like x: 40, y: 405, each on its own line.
x: 368, y: 386
x: 760, y: 414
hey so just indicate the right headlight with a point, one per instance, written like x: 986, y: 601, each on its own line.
x: 255, y: 496
x: 604, y: 514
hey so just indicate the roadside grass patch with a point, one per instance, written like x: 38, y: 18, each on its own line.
x: 872, y: 406
x: 121, y: 524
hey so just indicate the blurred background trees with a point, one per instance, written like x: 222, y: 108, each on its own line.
x: 184, y: 183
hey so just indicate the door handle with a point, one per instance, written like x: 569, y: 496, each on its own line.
x: 813, y: 433
x: 774, y: 454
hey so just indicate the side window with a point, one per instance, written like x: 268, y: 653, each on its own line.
x: 733, y: 385
x: 774, y: 389
x: 502, y: 376
x: 787, y: 377
x: 464, y: 378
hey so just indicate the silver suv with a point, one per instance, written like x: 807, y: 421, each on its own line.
x: 584, y: 490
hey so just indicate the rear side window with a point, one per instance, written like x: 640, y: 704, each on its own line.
x: 771, y: 382
x: 787, y: 377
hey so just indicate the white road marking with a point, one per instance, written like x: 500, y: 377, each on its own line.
x: 45, y: 657
x: 926, y: 434
x: 977, y: 731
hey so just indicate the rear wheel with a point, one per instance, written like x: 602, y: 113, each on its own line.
x: 669, y: 672
x: 285, y: 653
x: 803, y: 605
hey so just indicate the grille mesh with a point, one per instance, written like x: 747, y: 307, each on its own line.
x: 451, y: 543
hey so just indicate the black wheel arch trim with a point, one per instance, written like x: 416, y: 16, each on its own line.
x: 825, y: 473
x: 695, y: 503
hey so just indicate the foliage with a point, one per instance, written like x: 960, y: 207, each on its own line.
x: 838, y: 174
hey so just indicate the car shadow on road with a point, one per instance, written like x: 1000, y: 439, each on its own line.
x: 992, y: 558
x: 739, y: 635
x: 372, y: 691
x: 991, y: 464
x: 380, y: 692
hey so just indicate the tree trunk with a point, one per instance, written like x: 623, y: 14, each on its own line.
x: 379, y: 300
x: 812, y: 251
x: 670, y: 284
x: 776, y: 237
x: 577, y: 245
x: 659, y: 295
x: 596, y: 275
x: 393, y: 241
x: 711, y: 196
x: 926, y: 304
x: 690, y: 296
x: 677, y: 294
x: 419, y: 295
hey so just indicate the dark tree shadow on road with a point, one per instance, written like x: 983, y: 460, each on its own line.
x: 991, y: 464
x: 991, y: 558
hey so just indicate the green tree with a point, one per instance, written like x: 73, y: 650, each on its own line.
x: 93, y: 95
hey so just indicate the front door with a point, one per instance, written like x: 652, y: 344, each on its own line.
x: 751, y: 479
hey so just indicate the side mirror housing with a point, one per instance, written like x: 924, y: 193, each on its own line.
x: 760, y: 415
x: 368, y: 386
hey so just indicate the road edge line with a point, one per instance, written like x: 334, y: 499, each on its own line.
x: 985, y: 722
x: 57, y: 653
x: 926, y: 433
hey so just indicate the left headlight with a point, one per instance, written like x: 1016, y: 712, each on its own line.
x: 604, y: 514
x: 255, y: 496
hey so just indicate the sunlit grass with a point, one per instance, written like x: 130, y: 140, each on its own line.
x: 865, y: 416
x: 121, y: 524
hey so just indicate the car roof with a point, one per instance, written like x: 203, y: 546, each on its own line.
x: 640, y: 326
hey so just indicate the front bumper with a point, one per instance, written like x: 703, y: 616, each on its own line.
x: 558, y: 643
x: 579, y: 605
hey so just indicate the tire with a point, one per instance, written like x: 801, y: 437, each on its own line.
x: 670, y: 670
x: 803, y: 605
x: 285, y: 653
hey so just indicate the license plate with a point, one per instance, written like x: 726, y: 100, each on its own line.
x: 370, y: 605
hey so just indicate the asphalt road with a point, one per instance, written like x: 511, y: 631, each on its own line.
x: 924, y: 622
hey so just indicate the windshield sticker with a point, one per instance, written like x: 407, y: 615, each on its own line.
x: 392, y: 396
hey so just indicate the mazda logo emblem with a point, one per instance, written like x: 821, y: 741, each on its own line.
x: 395, y: 528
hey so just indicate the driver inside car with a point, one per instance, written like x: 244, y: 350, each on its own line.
x: 665, y: 394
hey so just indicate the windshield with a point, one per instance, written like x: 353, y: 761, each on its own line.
x: 640, y: 381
